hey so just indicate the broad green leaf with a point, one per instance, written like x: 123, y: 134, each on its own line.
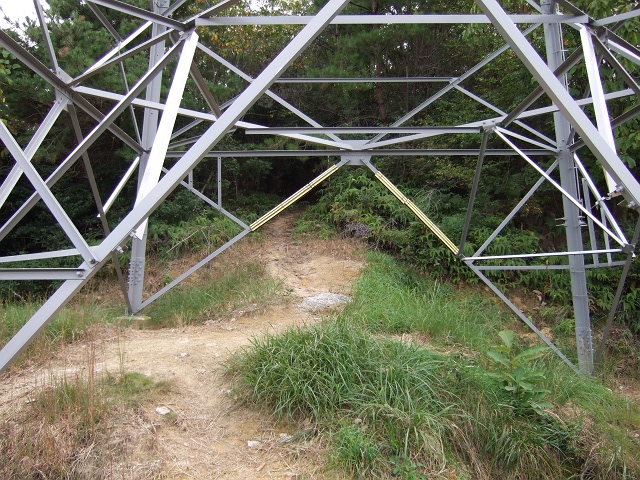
x: 531, y: 354
x: 526, y: 386
x: 518, y: 374
x: 498, y: 357
x: 507, y: 337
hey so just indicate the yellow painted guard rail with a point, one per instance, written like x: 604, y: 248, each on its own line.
x: 417, y: 212
x: 294, y: 198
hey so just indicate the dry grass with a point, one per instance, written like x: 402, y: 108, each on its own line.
x: 65, y: 426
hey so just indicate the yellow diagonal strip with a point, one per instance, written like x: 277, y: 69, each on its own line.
x: 293, y: 198
x: 418, y: 213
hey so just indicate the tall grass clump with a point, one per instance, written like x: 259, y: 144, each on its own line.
x: 336, y: 374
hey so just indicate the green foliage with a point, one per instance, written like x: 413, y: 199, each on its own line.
x: 516, y: 375
x: 72, y: 323
x: 355, y: 450
x: 186, y: 224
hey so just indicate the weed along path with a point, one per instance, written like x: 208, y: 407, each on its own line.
x: 194, y: 428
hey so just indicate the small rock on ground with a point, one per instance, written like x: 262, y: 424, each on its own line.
x: 323, y: 301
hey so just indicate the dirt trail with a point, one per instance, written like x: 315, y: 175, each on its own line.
x: 207, y: 433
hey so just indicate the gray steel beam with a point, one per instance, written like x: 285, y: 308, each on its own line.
x: 617, y: 297
x: 362, y: 130
x: 387, y: 19
x: 540, y: 267
x: 173, y: 177
x: 141, y: 13
x: 617, y: 41
x: 367, y: 80
x: 123, y: 181
x: 570, y: 199
x: 121, y: 45
x: 28, y: 257
x: 50, y: 274
x: 149, y: 134
x: 555, y: 89
x: 521, y: 315
x: 600, y: 198
x: 89, y: 140
x: 217, y: 8
x: 104, y: 21
x: 98, y: 202
x: 516, y: 256
x: 120, y: 58
x: 418, y: 152
x: 474, y: 192
x: 46, y: 37
x: 622, y: 21
x: 551, y: 149
x: 592, y: 231
x: 597, y: 93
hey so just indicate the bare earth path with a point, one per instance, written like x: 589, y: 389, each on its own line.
x: 206, y: 434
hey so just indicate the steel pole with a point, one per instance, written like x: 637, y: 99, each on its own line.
x: 149, y: 131
x: 573, y: 229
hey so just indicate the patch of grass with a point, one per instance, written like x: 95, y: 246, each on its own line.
x: 246, y: 284
x: 133, y: 389
x: 73, y: 323
x: 55, y: 433
x: 392, y: 298
x: 393, y: 409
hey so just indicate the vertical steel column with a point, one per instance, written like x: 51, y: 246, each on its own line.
x: 584, y: 342
x: 149, y: 131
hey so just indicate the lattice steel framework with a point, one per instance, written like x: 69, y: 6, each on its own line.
x: 164, y: 165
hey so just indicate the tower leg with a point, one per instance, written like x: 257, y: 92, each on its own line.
x: 584, y: 343
x: 149, y: 131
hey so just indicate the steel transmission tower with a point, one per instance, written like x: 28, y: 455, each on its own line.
x: 165, y: 157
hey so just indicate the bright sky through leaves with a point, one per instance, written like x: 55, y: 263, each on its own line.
x: 18, y: 10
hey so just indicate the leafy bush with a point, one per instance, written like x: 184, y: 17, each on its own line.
x: 516, y: 375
